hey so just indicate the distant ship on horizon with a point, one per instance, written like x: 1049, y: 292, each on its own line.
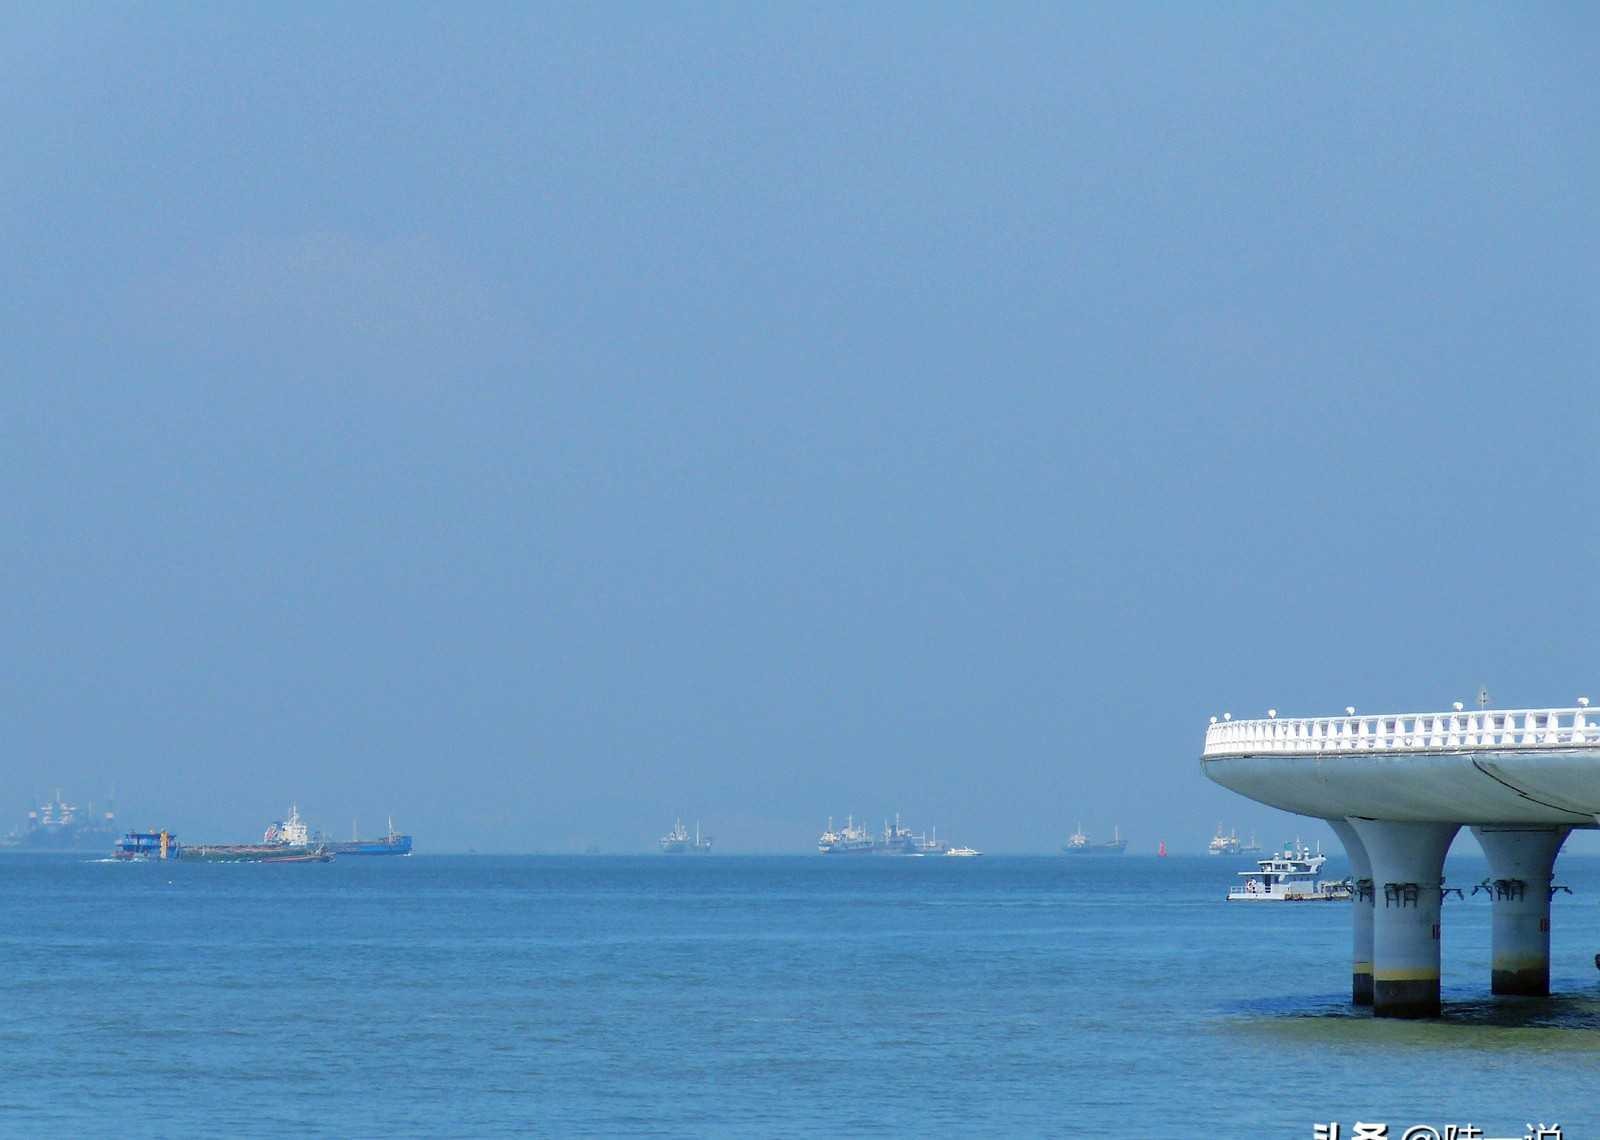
x: 679, y: 842
x: 59, y: 826
x: 852, y: 839
x: 1224, y: 844
x: 1078, y: 844
x: 391, y: 844
x: 897, y: 839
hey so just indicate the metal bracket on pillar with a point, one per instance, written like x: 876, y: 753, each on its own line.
x: 1445, y: 892
x: 1554, y: 887
x: 1400, y: 894
x: 1362, y: 888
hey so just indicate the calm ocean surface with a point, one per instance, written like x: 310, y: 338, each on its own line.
x: 751, y: 997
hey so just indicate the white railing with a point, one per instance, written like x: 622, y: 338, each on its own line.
x: 1407, y: 732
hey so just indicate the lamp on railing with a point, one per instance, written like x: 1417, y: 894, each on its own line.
x: 1227, y: 716
x: 1272, y: 714
x: 1349, y: 710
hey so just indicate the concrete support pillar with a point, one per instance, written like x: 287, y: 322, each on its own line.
x: 1521, y: 860
x: 1360, y: 912
x: 1407, y: 862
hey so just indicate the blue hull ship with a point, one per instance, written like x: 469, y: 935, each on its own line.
x: 392, y: 844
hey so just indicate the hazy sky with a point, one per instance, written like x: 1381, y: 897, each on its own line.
x: 540, y: 421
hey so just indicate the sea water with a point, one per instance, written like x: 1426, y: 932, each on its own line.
x: 777, y: 996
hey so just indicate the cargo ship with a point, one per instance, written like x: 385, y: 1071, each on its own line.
x: 899, y: 840
x: 148, y: 846
x: 59, y: 826
x: 285, y: 841
x: 254, y: 853
x: 392, y: 844
x: 855, y: 839
x: 679, y: 842
x: 1078, y: 844
x: 852, y: 839
x: 1223, y: 844
x: 294, y: 832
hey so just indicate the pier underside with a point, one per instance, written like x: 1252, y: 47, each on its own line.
x: 1397, y: 815
x: 1560, y: 786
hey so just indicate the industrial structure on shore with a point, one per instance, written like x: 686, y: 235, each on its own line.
x: 1397, y: 788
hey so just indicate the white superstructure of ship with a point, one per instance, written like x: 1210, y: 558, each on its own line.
x: 678, y: 841
x: 1224, y: 844
x: 291, y: 832
x: 1290, y: 875
x: 851, y: 839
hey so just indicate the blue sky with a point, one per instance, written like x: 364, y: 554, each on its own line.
x: 542, y: 421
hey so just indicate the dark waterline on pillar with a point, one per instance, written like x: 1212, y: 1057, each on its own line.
x: 1361, y: 988
x: 1409, y: 999
x: 1531, y: 982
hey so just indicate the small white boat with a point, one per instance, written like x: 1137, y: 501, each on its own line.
x: 962, y: 852
x: 1290, y: 876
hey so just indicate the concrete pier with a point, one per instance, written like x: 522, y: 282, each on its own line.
x: 1361, y: 904
x: 1396, y: 788
x: 1407, y: 864
x: 1521, y: 862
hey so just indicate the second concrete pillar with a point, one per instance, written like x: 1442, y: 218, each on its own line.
x: 1407, y: 863
x: 1521, y: 860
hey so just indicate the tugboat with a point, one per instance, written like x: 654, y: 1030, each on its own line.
x: 963, y: 852
x: 678, y: 842
x: 1290, y: 876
